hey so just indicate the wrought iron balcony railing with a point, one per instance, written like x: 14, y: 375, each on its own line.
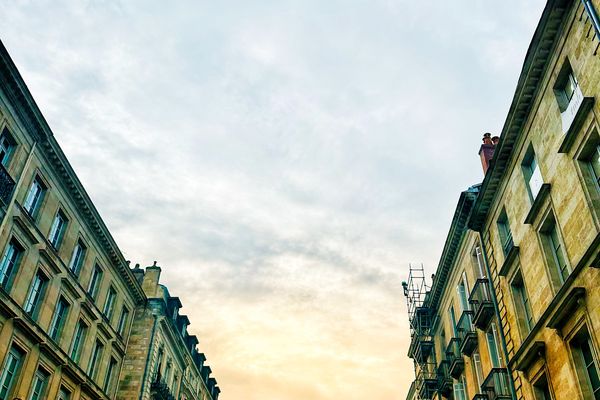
x: 427, y: 381
x: 497, y: 385
x: 444, y: 379
x: 7, y: 185
x: 466, y: 333
x: 481, y: 303
x: 455, y: 358
x: 160, y: 391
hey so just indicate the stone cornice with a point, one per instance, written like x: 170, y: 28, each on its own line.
x: 12, y: 84
x: 528, y: 86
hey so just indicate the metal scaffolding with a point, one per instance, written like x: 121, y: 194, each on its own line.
x: 420, y: 317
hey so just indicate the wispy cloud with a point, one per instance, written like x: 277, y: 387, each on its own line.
x: 283, y: 160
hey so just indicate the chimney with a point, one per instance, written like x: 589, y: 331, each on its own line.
x: 151, y: 278
x: 486, y: 151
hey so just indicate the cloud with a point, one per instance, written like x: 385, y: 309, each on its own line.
x: 283, y: 161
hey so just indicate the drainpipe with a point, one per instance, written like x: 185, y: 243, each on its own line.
x: 591, y: 11
x: 513, y: 392
x: 148, y: 356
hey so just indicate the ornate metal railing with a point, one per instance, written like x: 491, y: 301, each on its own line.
x: 427, y: 380
x: 466, y: 333
x: 7, y: 185
x: 497, y: 384
x: 455, y: 358
x: 481, y: 303
x: 160, y: 391
x: 444, y: 379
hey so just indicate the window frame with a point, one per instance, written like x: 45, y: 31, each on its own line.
x: 79, y: 337
x: 58, y: 229
x: 531, y: 171
x: 94, y: 284
x: 77, y: 260
x: 19, y: 355
x: 9, y: 150
x: 521, y: 303
x: 8, y: 271
x: 550, y: 245
x: 579, y: 362
x: 34, y: 303
x: 57, y: 325
x: 33, y: 209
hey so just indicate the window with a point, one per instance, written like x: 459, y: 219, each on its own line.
x: 95, y: 282
x: 96, y: 359
x: 10, y: 370
x: 504, y: 232
x: 58, y: 320
x: 40, y: 383
x: 477, y: 369
x: 36, y: 292
x: 460, y: 389
x: 522, y: 304
x: 64, y: 394
x: 555, y: 254
x: 463, y: 293
x: 541, y: 389
x: 78, y: 340
x: 532, y: 174
x: 34, y: 196
x: 109, y: 305
x: 57, y: 230
x: 10, y: 260
x: 587, y: 365
x: 594, y: 165
x: 452, y: 321
x: 123, y: 320
x: 110, y: 376
x: 77, y: 257
x: 478, y: 262
x: 493, y: 339
x: 7, y: 146
x: 566, y: 87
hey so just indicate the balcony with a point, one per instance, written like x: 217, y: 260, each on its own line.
x: 420, y: 348
x: 444, y: 380
x: 427, y: 381
x: 497, y: 385
x: 466, y: 333
x: 481, y: 303
x: 160, y: 391
x: 455, y: 358
x: 7, y: 185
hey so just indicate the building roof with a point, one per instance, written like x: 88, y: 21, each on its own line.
x: 458, y: 227
x: 13, y: 85
x: 532, y: 73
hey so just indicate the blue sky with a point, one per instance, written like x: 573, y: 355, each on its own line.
x: 283, y: 161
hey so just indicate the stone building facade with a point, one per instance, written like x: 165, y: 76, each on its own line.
x: 163, y: 358
x: 69, y: 302
x: 536, y: 218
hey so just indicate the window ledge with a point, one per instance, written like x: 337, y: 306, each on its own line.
x: 534, y: 352
x: 565, y: 307
x: 570, y: 134
x: 539, y: 201
x: 508, y: 260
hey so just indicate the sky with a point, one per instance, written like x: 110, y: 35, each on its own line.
x: 283, y: 161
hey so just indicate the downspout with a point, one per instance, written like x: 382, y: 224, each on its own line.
x: 591, y: 11
x: 513, y: 392
x: 148, y: 356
